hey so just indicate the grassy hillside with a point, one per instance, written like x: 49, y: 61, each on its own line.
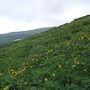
x: 10, y: 37
x: 58, y: 59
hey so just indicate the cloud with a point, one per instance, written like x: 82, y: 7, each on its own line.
x: 18, y: 15
x: 7, y: 25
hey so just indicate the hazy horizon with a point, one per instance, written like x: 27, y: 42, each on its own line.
x: 21, y: 15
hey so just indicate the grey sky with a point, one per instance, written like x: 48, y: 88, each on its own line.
x: 16, y: 15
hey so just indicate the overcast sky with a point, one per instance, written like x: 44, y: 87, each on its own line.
x: 19, y: 15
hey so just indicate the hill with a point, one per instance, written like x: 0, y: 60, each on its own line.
x: 13, y: 36
x: 58, y: 59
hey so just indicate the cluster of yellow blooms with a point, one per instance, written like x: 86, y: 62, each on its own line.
x: 0, y: 74
x: 35, y: 55
x: 66, y: 43
x: 25, y: 83
x: 6, y: 88
x: 54, y: 74
x: 45, y: 79
x: 59, y: 66
x: 86, y: 37
x: 76, y: 61
x: 49, y: 51
x: 13, y: 72
x: 85, y: 70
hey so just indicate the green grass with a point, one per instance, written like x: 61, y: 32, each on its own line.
x: 58, y: 59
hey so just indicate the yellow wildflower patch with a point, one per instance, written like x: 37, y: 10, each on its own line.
x: 6, y: 88
x: 86, y: 37
x: 45, y: 79
x: 54, y: 74
x: 59, y: 66
x: 85, y: 70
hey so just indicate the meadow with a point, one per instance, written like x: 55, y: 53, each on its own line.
x: 58, y: 59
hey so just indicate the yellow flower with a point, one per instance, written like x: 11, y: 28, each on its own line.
x: 6, y: 88
x: 16, y: 73
x: 59, y: 66
x: 0, y: 73
x: 12, y: 76
x: 85, y: 70
x: 66, y: 62
x: 53, y: 74
x: 46, y: 79
x: 73, y: 66
x: 35, y: 55
x: 46, y: 53
x: 51, y: 50
x: 66, y: 43
x: 26, y: 83
x: 36, y: 60
x: 32, y: 59
x: 86, y: 37
x: 77, y: 62
x: 12, y: 70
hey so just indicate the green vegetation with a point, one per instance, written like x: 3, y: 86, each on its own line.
x: 58, y: 59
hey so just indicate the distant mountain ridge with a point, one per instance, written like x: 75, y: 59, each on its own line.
x: 13, y: 36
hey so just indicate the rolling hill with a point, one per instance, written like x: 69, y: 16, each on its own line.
x: 58, y: 59
x: 10, y: 37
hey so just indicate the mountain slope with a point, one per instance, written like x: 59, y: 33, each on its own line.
x: 10, y: 37
x: 58, y: 59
